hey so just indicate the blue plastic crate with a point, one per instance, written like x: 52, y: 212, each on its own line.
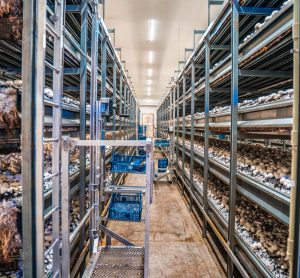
x: 163, y: 163
x: 162, y: 143
x: 142, y: 129
x: 128, y: 164
x: 126, y: 207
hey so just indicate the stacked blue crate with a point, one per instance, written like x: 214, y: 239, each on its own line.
x: 162, y: 143
x: 125, y: 207
x: 128, y: 164
x: 142, y: 129
x: 162, y: 165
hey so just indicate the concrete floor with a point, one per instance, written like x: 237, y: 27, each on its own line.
x: 176, y: 246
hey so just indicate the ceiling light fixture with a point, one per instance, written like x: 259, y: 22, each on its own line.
x: 149, y: 82
x: 151, y: 57
x: 152, y: 23
x: 150, y: 72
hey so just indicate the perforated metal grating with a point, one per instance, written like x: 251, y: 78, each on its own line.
x: 115, y: 262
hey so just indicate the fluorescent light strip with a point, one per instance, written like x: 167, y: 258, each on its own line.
x: 151, y: 57
x: 150, y: 72
x: 152, y: 23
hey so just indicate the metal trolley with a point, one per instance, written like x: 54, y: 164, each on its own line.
x: 128, y: 260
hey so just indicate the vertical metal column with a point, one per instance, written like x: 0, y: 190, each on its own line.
x: 93, y: 120
x: 114, y: 108
x: 294, y: 237
x: 183, y: 126
x: 177, y: 133
x: 157, y: 123
x: 173, y: 123
x: 65, y: 214
x: 120, y: 102
x: 104, y: 38
x: 192, y: 132
x: 206, y: 133
x: 130, y: 128
x: 58, y: 54
x: 149, y: 182
x: 33, y: 72
x: 125, y: 109
x: 83, y: 90
x: 234, y: 129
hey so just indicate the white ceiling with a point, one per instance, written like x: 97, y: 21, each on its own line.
x: 158, y: 28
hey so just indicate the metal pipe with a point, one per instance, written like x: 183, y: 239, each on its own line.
x: 234, y: 130
x: 114, y: 108
x: 192, y: 132
x: 83, y: 91
x: 81, y: 223
x: 206, y: 134
x: 177, y: 125
x: 93, y: 118
x: 293, y: 240
x: 33, y: 73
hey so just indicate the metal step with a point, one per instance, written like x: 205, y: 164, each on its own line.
x: 119, y: 262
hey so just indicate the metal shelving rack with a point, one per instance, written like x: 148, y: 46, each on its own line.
x: 59, y: 51
x: 223, y: 69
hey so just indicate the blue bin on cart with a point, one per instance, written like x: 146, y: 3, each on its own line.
x: 125, y: 207
x: 162, y: 143
x: 162, y: 165
x: 128, y: 164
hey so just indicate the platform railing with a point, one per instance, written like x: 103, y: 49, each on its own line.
x: 67, y: 238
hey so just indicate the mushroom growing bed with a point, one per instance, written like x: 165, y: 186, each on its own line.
x: 265, y: 237
x: 269, y: 166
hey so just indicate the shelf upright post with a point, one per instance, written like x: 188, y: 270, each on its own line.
x: 177, y: 126
x: 173, y: 122
x: 234, y: 129
x: 130, y: 113
x: 206, y: 133
x: 164, y: 116
x: 93, y: 121
x: 293, y: 251
x: 192, y: 132
x: 120, y: 101
x: 183, y: 126
x: 158, y: 122
x: 125, y: 110
x: 58, y: 56
x: 104, y: 39
x: 170, y: 119
x: 167, y: 114
x: 83, y: 90
x: 114, y: 107
x: 33, y: 72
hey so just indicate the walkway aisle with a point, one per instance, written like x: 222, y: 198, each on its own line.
x: 176, y: 246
